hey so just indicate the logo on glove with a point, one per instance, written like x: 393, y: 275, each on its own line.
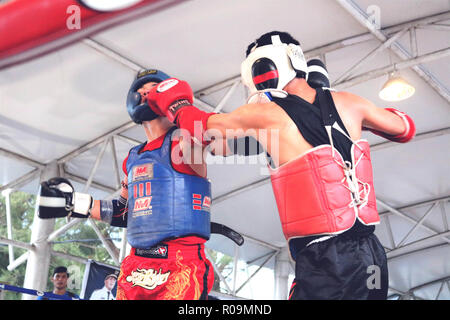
x: 166, y: 85
x: 179, y: 104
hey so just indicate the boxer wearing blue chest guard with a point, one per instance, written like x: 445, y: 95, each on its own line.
x: 164, y: 204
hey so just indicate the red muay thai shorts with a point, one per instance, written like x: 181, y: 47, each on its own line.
x: 167, y: 271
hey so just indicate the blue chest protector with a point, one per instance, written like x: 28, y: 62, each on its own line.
x: 164, y: 203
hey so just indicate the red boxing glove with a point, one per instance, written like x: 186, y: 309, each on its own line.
x: 169, y: 97
x: 406, y: 136
x: 173, y: 98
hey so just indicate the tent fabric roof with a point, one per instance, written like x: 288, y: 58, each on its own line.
x: 68, y: 106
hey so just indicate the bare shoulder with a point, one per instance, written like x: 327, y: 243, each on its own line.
x: 256, y: 107
x: 258, y: 112
x: 347, y: 97
x: 348, y: 100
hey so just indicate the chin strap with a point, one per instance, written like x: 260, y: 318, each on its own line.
x: 263, y: 96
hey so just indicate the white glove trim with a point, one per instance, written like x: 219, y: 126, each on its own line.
x: 82, y: 203
x: 51, y: 202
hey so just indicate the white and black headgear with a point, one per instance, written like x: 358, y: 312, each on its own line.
x: 272, y: 62
x: 318, y: 74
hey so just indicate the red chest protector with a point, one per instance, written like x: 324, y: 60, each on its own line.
x: 319, y: 193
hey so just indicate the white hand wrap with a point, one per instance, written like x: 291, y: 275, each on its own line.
x: 82, y: 203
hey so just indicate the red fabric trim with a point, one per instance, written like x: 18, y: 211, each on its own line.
x: 157, y: 143
x: 124, y: 165
x: 154, y: 144
x: 265, y: 76
x: 25, y: 24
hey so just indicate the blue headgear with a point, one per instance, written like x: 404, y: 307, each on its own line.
x: 141, y: 111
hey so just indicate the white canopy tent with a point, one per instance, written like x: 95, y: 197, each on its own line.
x: 64, y: 113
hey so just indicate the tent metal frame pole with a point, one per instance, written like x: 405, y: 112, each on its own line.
x: 444, y: 279
x: 129, y: 140
x: 384, y: 45
x: 235, y: 267
x: 126, y: 61
x: 420, y: 203
x: 22, y: 180
x: 440, y: 290
x: 105, y: 243
x: 227, y: 96
x: 414, y: 221
x: 261, y: 243
x: 356, y: 12
x: 418, y: 137
x: 123, y: 247
x: 221, y: 277
x: 421, y: 22
x: 73, y: 222
x: 96, y: 164
x: 413, y: 42
x: 271, y: 255
x: 281, y: 274
x: 94, y: 184
x: 436, y: 26
x: 17, y: 244
x: 418, y: 224
x: 444, y: 215
x: 403, y: 250
x: 38, y: 262
x: 95, y: 142
x: 17, y: 262
x: 389, y: 230
x: 405, y: 64
x: 115, y: 161
x: 9, y: 230
x: 23, y: 159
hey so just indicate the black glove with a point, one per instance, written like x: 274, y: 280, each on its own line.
x: 58, y: 199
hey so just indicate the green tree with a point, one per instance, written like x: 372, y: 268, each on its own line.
x: 80, y: 241
x: 223, y: 263
x: 22, y: 212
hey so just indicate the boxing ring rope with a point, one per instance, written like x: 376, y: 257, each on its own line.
x: 33, y: 292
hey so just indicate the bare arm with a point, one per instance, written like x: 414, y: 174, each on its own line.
x: 381, y: 119
x: 385, y: 122
x: 244, y: 121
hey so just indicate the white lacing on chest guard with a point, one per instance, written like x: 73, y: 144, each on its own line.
x: 360, y: 195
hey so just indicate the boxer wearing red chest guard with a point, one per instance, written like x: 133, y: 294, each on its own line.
x: 322, y: 175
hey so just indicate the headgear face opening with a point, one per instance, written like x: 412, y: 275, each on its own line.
x: 269, y: 68
x: 138, y: 111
